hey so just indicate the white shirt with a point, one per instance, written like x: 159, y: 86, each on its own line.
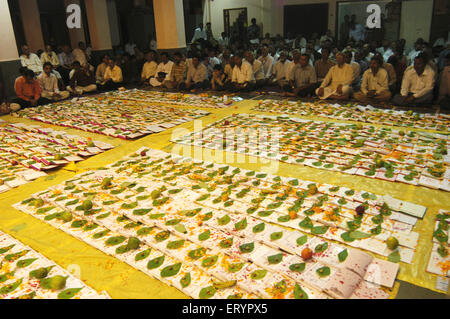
x: 80, y: 56
x: 199, y: 34
x: 418, y: 85
x: 166, y: 68
x: 280, y: 70
x: 267, y: 62
x: 243, y: 74
x: 223, y: 41
x: 153, y: 45
x: 412, y: 55
x: 32, y: 62
x: 258, y: 70
x: 378, y: 82
x: 129, y: 48
x: 48, y: 83
x: 359, y: 33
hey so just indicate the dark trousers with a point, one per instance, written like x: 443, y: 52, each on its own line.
x: 250, y: 87
x: 195, y: 86
x: 445, y: 103
x: 310, y: 90
x: 24, y: 104
x: 109, y: 86
x: 425, y: 100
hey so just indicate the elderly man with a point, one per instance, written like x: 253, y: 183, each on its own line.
x: 374, y: 87
x: 258, y: 70
x: 417, y: 84
x: 337, y: 83
x: 83, y: 80
x: 49, y: 84
x: 30, y: 60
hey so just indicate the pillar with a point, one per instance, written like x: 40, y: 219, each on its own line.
x: 99, y: 29
x: 169, y: 23
x: 75, y: 35
x: 9, y: 55
x: 31, y: 21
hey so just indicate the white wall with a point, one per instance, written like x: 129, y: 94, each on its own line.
x: 416, y: 20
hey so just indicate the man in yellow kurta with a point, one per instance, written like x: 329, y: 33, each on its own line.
x: 374, y: 85
x: 337, y: 83
x: 149, y: 68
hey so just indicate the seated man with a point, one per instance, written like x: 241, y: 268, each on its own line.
x: 374, y: 85
x: 323, y: 65
x: 28, y: 91
x: 113, y: 77
x: 267, y: 62
x: 337, y: 83
x: 30, y: 60
x: 280, y: 71
x: 444, y: 90
x: 176, y: 77
x: 83, y: 80
x: 162, y: 71
x: 243, y: 78
x: 417, y: 84
x: 258, y: 70
x: 304, y: 79
x: 219, y: 80
x: 49, y: 84
x: 101, y: 69
x: 50, y: 56
x: 5, y: 106
x: 66, y: 58
x: 348, y: 56
x: 196, y: 76
x: 149, y: 68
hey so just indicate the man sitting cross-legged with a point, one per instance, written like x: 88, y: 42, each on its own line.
x: 374, y: 87
x: 304, y: 79
x: 83, y: 80
x: 28, y: 91
x: 49, y: 84
x: 243, y: 78
x: 417, y: 84
x: 337, y: 83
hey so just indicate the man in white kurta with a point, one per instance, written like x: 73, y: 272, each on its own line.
x: 30, y: 60
x: 374, y: 85
x: 337, y: 83
x: 164, y: 67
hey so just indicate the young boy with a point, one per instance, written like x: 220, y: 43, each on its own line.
x: 219, y: 80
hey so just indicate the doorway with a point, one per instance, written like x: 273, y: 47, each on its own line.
x: 306, y: 19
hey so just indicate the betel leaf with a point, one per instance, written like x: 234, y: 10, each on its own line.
x: 141, y: 212
x: 6, y: 249
x: 306, y: 223
x: 197, y: 253
x: 210, y: 261
x: 302, y: 240
x: 181, y: 228
x: 25, y: 262
x: 223, y: 220
x: 207, y: 292
x: 297, y: 267
x: 346, y: 237
x: 321, y: 248
x: 10, y: 288
x: 319, y: 230
x: 161, y: 236
x: 276, y: 235
x: 275, y: 259
x: 259, y: 228
x: 175, y: 244
x: 299, y: 293
x: 241, y: 224
x: 142, y: 255
x: 186, y: 280
x: 156, y: 262
x: 113, y: 241
x: 233, y: 268
x: 359, y: 235
x: 204, y: 236
x: 440, y: 235
x: 171, y: 270
x: 69, y: 293
x: 342, y: 256
x: 247, y: 248
x: 394, y: 257
x: 226, y: 243
x: 173, y: 222
x: 258, y: 274
x: 323, y: 271
x: 100, y: 234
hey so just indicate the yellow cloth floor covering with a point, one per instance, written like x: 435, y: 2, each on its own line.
x: 103, y: 272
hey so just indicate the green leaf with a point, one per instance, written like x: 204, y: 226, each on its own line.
x: 306, y: 223
x: 302, y: 240
x: 175, y: 244
x: 186, y: 280
x: 141, y: 212
x: 173, y: 222
x: 207, y: 292
x: 319, y: 230
x: 223, y: 220
x: 297, y: 267
x: 241, y: 224
x: 321, y: 248
x: 197, y: 253
x: 226, y: 243
x: 100, y: 234
x: 156, y: 262
x: 258, y: 274
x: 209, y: 261
x: 25, y: 262
x: 275, y: 259
x: 342, y: 256
x: 10, y: 288
x: 205, y: 235
x: 6, y: 249
x: 171, y: 270
x: 299, y: 293
x: 359, y: 235
x: 161, y: 236
x: 247, y: 248
x: 276, y: 235
x: 68, y: 293
x: 113, y: 241
x: 346, y: 237
x: 323, y: 271
x: 259, y: 228
x: 142, y: 255
x: 394, y: 257
x: 233, y: 268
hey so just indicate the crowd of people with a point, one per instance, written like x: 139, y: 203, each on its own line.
x: 319, y: 67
